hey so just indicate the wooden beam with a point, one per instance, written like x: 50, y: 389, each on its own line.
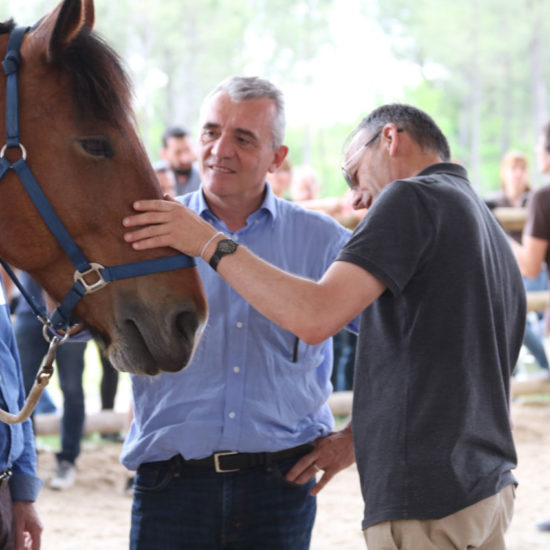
x: 340, y: 402
x: 102, y: 422
x: 511, y: 219
x: 530, y: 387
x: 537, y: 300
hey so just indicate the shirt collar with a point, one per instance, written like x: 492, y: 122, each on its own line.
x: 445, y: 167
x: 268, y: 207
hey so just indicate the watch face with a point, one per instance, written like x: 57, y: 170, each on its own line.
x: 227, y: 246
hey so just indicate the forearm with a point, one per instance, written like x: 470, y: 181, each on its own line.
x: 294, y: 303
x: 311, y: 310
x: 529, y: 265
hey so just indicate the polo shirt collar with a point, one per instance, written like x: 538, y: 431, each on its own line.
x: 450, y: 168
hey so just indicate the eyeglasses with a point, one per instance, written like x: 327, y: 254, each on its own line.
x: 347, y: 176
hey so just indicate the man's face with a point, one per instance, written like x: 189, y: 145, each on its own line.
x: 542, y: 155
x: 515, y: 179
x: 235, y: 146
x: 363, y: 162
x: 179, y: 154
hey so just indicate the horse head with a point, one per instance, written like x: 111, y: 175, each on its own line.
x: 80, y: 137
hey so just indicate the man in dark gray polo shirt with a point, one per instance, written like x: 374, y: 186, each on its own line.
x: 443, y: 314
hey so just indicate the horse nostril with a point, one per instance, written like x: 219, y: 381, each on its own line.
x: 187, y: 323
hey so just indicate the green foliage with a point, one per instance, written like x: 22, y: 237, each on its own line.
x: 490, y: 93
x: 484, y: 66
x: 326, y: 147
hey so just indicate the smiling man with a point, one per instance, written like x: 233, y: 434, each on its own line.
x: 443, y: 313
x: 227, y: 450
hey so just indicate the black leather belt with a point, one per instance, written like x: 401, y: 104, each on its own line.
x: 5, y: 477
x: 231, y: 461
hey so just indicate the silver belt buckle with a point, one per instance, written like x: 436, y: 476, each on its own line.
x: 217, y: 466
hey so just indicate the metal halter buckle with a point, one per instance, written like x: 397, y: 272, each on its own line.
x: 97, y: 285
x: 217, y: 466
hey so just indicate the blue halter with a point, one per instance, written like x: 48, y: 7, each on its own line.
x: 60, y: 319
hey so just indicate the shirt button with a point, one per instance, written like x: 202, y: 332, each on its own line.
x: 232, y: 415
x: 236, y: 369
x: 239, y: 325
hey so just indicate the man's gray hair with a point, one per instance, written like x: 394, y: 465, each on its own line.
x: 243, y: 88
x: 419, y: 124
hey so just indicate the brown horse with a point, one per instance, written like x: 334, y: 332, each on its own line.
x: 79, y: 133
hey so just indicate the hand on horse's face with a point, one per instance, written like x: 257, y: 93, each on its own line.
x: 167, y: 223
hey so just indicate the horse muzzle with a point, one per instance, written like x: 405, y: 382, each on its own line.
x: 155, y: 340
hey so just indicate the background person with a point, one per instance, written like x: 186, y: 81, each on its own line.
x: 178, y: 156
x: 280, y: 179
x: 443, y: 313
x: 515, y: 192
x: 70, y: 368
x: 534, y: 250
x: 167, y: 180
x: 305, y: 185
x: 221, y: 447
x: 19, y: 485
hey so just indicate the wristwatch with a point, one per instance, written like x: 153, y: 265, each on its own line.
x: 224, y: 248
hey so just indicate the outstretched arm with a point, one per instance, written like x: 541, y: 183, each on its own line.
x: 311, y: 310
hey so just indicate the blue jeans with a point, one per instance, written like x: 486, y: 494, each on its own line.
x: 532, y: 339
x: 533, y: 342
x: 344, y: 344
x: 70, y: 367
x: 199, y: 509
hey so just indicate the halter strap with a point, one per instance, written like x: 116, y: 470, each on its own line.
x: 11, y: 65
x: 61, y: 318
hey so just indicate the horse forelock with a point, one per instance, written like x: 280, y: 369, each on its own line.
x: 101, y: 86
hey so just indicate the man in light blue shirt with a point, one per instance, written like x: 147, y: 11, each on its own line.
x: 226, y: 451
x: 19, y: 485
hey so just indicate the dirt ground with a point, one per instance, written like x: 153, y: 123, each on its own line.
x: 94, y: 514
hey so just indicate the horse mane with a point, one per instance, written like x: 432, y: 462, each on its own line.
x: 101, y: 86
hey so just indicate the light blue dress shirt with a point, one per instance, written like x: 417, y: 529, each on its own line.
x: 251, y: 386
x: 16, y: 441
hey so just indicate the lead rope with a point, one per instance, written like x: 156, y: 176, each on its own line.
x: 40, y: 382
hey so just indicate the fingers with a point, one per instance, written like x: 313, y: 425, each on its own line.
x: 35, y: 537
x: 150, y: 217
x: 303, y: 470
x: 154, y: 205
x: 308, y: 467
x: 322, y: 482
x: 332, y: 454
x: 145, y: 242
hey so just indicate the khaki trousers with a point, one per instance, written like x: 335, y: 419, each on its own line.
x: 477, y: 527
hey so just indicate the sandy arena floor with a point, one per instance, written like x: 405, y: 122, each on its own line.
x: 94, y: 515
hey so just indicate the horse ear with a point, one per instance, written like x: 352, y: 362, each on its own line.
x: 89, y: 13
x: 61, y: 26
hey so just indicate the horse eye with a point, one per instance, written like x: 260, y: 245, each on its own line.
x: 97, y: 147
